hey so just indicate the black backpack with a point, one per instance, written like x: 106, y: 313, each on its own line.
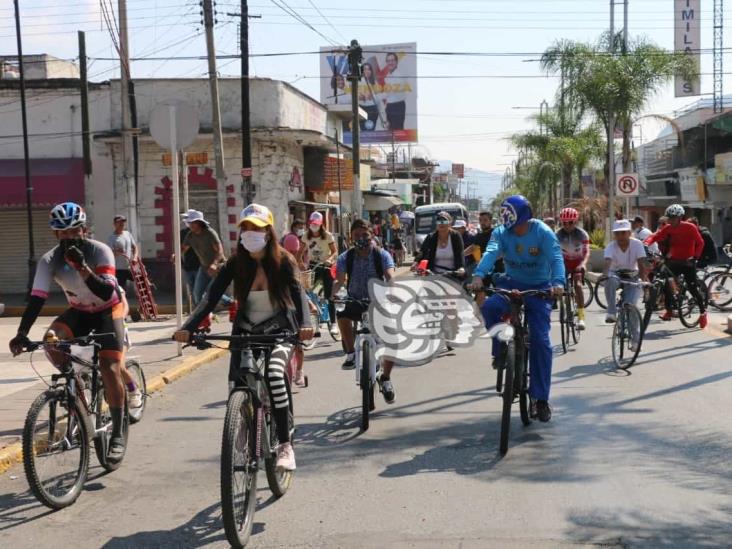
x: 378, y: 262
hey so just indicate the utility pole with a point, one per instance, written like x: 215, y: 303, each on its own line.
x: 124, y: 81
x: 84, y: 89
x: 246, y: 135
x: 208, y: 21
x: 611, y: 143
x: 718, y: 57
x: 26, y: 155
x: 355, y: 57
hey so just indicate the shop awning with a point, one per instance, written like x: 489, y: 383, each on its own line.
x: 53, y: 180
x: 379, y: 202
x: 314, y: 205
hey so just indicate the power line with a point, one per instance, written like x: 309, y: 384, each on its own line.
x: 327, y: 21
x: 299, y: 18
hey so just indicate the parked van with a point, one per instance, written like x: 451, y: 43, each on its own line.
x: 424, y: 218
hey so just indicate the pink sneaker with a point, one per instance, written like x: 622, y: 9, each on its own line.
x: 286, y: 457
x: 299, y: 379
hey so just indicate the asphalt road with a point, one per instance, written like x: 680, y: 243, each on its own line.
x: 641, y: 459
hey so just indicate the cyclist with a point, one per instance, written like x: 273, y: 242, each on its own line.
x: 267, y: 287
x: 84, y: 268
x: 685, y: 247
x: 641, y: 233
x: 575, y: 244
x: 625, y: 258
x: 533, y: 260
x: 442, y: 249
x: 354, y: 268
x: 322, y: 251
x: 709, y: 254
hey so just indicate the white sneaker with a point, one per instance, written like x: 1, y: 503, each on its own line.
x: 135, y: 398
x: 611, y: 319
x: 581, y: 325
x: 286, y: 457
x: 334, y: 331
x: 299, y: 379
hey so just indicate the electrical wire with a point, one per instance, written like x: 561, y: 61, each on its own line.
x: 299, y: 18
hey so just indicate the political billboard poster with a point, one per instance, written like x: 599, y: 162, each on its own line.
x: 387, y: 90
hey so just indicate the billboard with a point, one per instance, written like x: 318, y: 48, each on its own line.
x: 687, y: 39
x: 387, y: 90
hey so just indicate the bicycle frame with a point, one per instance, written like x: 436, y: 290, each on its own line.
x: 363, y: 336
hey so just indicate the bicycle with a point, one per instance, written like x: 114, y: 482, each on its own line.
x: 513, y: 358
x: 685, y: 304
x: 66, y: 418
x: 567, y: 310
x: 629, y: 326
x: 250, y: 433
x: 365, y: 358
x: 314, y: 291
x: 719, y: 283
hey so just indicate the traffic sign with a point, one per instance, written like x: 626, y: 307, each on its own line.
x: 184, y: 124
x: 246, y: 172
x: 627, y: 184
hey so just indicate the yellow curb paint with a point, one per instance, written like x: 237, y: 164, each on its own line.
x: 13, y: 453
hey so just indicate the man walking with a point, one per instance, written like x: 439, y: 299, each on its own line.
x: 125, y: 250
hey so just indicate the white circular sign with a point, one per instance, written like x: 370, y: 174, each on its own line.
x: 186, y: 123
x: 627, y: 184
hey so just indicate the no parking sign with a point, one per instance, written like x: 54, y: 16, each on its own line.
x: 626, y: 184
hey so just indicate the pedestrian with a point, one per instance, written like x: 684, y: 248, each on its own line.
x: 709, y: 254
x: 468, y: 239
x: 207, y: 246
x: 292, y: 242
x: 641, y: 233
x: 190, y: 264
x: 124, y: 248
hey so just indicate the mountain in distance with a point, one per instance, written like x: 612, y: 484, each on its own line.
x: 487, y: 184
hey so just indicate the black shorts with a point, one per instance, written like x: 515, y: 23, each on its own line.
x: 123, y: 275
x: 109, y: 321
x: 353, y: 311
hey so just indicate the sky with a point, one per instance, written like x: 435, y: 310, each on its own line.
x: 468, y: 105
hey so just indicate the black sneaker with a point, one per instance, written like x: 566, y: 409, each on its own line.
x: 116, y: 451
x: 386, y: 387
x: 543, y: 410
x: 349, y: 363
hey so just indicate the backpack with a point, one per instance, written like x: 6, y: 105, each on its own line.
x: 378, y: 262
x: 709, y: 254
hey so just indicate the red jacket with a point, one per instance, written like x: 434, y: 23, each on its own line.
x: 685, y: 241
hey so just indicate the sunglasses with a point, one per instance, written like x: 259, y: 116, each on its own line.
x: 443, y: 222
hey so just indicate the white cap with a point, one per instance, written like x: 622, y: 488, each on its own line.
x: 621, y: 225
x: 459, y: 223
x: 193, y: 215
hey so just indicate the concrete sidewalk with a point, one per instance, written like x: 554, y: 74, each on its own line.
x: 151, y: 346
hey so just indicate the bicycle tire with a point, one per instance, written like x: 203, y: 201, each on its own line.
x: 31, y: 454
x: 574, y: 329
x: 588, y: 291
x: 524, y: 401
x: 365, y: 385
x: 138, y: 374
x: 650, y: 306
x: 623, y: 355
x: 563, y: 324
x: 599, y: 292
x: 238, y: 427
x: 719, y: 290
x: 101, y: 438
x: 507, y: 397
x: 688, y: 308
x: 279, y: 481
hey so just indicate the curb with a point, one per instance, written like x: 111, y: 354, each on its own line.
x: 12, y: 454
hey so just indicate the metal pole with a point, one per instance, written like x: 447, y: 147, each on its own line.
x: 218, y: 144
x: 625, y: 26
x: 184, y: 179
x: 611, y: 143
x: 176, y: 224
x: 127, y: 154
x: 246, y: 135
x: 84, y: 86
x: 354, y: 56
x: 26, y: 155
x: 340, y: 190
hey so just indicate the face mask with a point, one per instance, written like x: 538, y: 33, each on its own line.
x: 362, y: 243
x: 300, y: 232
x: 314, y: 228
x: 253, y: 241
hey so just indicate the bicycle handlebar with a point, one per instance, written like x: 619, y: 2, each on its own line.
x: 519, y: 294
x: 82, y: 341
x: 202, y: 341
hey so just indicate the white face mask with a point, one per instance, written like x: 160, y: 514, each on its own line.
x: 253, y: 241
x: 314, y: 228
x: 300, y: 232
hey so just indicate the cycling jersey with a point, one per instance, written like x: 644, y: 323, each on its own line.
x: 685, y: 241
x: 534, y: 258
x: 53, y: 266
x: 575, y: 246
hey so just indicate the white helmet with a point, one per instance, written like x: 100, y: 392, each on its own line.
x: 675, y: 210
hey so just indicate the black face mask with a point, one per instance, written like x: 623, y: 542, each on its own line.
x: 66, y: 243
x: 362, y: 243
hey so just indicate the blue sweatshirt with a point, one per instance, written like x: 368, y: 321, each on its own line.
x: 534, y: 258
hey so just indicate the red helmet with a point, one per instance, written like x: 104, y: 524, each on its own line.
x: 568, y: 214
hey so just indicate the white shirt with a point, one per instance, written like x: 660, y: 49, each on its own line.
x: 643, y: 233
x: 444, y: 257
x: 627, y: 259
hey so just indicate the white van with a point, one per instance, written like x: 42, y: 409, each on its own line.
x: 424, y: 218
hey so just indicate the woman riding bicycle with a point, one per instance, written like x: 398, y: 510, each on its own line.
x: 322, y: 252
x: 267, y: 287
x: 442, y: 249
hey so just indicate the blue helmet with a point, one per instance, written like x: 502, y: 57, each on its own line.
x: 67, y: 215
x: 515, y: 210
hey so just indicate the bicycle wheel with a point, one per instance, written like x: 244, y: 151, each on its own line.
x: 650, y: 305
x: 599, y: 292
x: 279, y: 480
x: 524, y: 404
x: 238, y: 472
x: 720, y: 291
x: 588, y: 289
x: 103, y: 425
x: 688, y: 308
x: 137, y: 373
x: 625, y: 347
x: 365, y: 384
x: 563, y: 327
x: 55, y: 449
x: 508, y: 390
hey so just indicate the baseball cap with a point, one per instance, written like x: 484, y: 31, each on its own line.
x: 621, y: 225
x: 194, y: 215
x: 459, y: 223
x: 120, y: 217
x: 316, y: 218
x: 256, y: 214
